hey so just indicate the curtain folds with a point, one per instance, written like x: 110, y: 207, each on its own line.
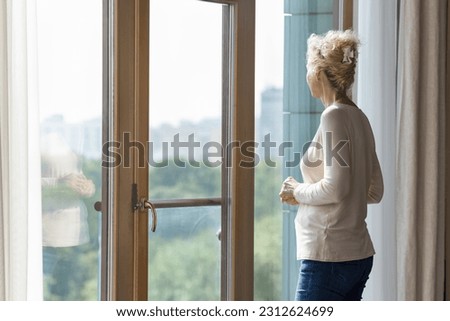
x: 20, y: 198
x: 420, y: 153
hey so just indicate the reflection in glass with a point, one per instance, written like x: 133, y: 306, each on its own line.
x: 64, y: 214
x: 70, y: 90
x: 71, y: 184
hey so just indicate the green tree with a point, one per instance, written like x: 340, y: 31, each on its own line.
x: 185, y: 259
x: 268, y: 233
x: 185, y: 268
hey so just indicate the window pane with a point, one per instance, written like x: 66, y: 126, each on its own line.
x: 185, y: 98
x: 70, y: 101
x: 185, y: 149
x: 287, y: 112
x: 184, y: 255
x: 269, y: 128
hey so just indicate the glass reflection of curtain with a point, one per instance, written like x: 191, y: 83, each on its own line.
x: 20, y: 191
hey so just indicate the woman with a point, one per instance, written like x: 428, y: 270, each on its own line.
x: 341, y: 176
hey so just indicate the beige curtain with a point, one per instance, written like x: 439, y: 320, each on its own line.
x: 420, y: 153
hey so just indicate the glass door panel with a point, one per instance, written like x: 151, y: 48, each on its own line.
x: 185, y: 255
x: 268, y: 228
x: 185, y: 149
x: 70, y: 101
x: 286, y: 114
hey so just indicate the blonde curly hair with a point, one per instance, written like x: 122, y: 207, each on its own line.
x: 335, y: 53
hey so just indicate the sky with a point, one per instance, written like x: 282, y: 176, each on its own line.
x: 69, y: 40
x: 185, y: 57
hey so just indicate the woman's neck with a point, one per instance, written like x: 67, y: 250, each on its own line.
x: 346, y: 101
x: 331, y: 96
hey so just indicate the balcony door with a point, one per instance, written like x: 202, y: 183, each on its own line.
x: 181, y: 192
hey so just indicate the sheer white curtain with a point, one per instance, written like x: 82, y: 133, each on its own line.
x: 20, y: 197
x: 376, y: 95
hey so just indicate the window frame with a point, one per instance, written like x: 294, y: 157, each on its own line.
x: 126, y: 107
x: 124, y: 230
x: 447, y: 170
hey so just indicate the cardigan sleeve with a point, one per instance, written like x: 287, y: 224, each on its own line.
x: 335, y: 184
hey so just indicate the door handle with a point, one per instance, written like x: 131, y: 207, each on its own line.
x: 147, y: 205
x: 143, y: 205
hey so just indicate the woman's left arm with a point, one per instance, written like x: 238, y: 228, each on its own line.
x: 376, y: 188
x: 335, y: 185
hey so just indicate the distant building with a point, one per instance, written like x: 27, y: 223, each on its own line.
x: 203, y: 131
x: 85, y: 138
x: 271, y: 119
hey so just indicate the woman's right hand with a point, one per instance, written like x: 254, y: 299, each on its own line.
x: 79, y: 184
x: 287, y: 191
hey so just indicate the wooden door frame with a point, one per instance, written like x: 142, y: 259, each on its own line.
x: 447, y: 165
x: 126, y: 101
x: 238, y: 231
x: 347, y: 14
x: 126, y: 79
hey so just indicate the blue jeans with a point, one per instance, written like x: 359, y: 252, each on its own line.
x: 333, y: 281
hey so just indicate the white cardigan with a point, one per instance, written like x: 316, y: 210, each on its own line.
x: 341, y: 175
